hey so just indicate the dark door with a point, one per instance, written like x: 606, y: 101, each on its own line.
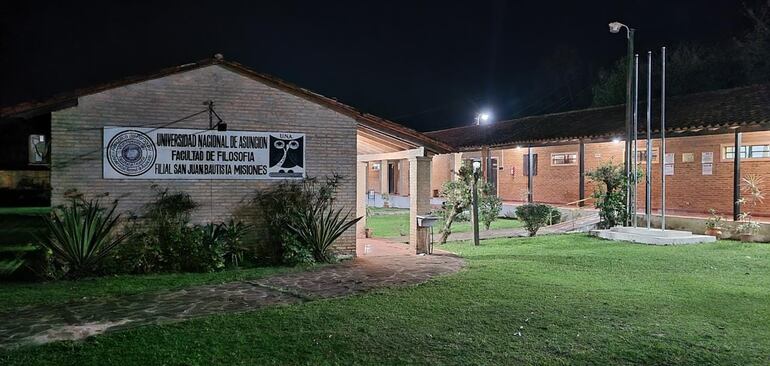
x: 391, y: 178
x: 492, y: 174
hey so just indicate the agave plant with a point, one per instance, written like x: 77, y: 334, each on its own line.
x: 233, y: 232
x: 81, y: 236
x: 319, y: 227
x: 8, y: 266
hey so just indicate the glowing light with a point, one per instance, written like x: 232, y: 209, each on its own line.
x: 615, y: 27
x: 616, y: 140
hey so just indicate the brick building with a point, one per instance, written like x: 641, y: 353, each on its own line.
x: 70, y: 149
x: 701, y: 131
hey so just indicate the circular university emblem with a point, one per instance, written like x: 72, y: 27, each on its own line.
x: 131, y: 153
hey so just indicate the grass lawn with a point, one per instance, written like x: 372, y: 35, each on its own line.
x: 389, y: 223
x: 567, y: 299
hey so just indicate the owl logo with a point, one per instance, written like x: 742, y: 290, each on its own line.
x: 287, y: 156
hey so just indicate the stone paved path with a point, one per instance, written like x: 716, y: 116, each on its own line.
x: 388, y: 267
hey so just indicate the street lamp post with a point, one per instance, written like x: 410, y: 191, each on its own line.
x: 615, y: 28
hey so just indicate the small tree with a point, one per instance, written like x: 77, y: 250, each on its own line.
x: 489, y: 205
x: 457, y: 198
x: 610, y: 193
x: 752, y: 188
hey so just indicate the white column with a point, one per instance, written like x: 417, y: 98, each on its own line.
x: 361, y: 175
x: 384, y: 177
x: 419, y: 201
x: 458, y: 163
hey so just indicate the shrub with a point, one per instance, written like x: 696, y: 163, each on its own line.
x: 489, y: 205
x: 292, y: 203
x: 534, y: 216
x: 204, y: 251
x: 294, y: 251
x: 81, y: 236
x: 165, y: 241
x: 162, y: 235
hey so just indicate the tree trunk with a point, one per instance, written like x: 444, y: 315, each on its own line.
x: 446, y: 231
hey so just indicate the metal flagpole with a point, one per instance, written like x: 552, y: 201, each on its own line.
x: 663, y: 137
x: 648, y: 170
x: 629, y: 90
x: 635, y: 158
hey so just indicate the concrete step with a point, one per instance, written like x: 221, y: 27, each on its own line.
x: 652, y: 236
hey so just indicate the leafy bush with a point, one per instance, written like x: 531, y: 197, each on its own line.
x: 489, y: 205
x: 294, y: 251
x: 534, y: 215
x: 165, y: 241
x: 81, y: 236
x: 204, y: 251
x: 305, y: 206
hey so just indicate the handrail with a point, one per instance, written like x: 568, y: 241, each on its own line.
x: 578, y: 201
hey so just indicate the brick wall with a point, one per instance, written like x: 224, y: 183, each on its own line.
x: 688, y: 191
x: 245, y: 104
x: 373, y: 177
x: 441, y: 171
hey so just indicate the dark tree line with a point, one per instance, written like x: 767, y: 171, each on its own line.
x: 695, y: 67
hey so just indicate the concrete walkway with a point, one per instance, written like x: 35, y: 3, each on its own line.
x: 384, y: 265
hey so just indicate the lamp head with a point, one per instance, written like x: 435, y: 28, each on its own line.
x: 615, y: 27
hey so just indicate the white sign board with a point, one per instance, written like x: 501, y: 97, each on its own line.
x: 707, y: 157
x: 668, y: 169
x: 170, y: 153
x: 707, y: 168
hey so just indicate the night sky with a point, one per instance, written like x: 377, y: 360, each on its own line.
x: 428, y: 65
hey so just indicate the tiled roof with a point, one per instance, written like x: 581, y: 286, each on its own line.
x: 380, y: 124
x: 744, y: 106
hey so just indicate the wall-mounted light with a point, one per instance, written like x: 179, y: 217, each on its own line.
x: 616, y: 140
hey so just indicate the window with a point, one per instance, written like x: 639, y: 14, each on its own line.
x: 38, y: 150
x: 525, y: 171
x: 747, y: 152
x: 564, y: 159
x: 641, y: 155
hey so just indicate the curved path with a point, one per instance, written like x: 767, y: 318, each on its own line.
x: 383, y: 265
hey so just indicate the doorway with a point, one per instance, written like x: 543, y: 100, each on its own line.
x: 492, y: 174
x: 392, y: 178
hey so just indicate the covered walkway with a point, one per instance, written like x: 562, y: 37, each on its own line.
x: 408, y: 157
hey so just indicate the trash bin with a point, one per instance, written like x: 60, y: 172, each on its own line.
x: 427, y: 222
